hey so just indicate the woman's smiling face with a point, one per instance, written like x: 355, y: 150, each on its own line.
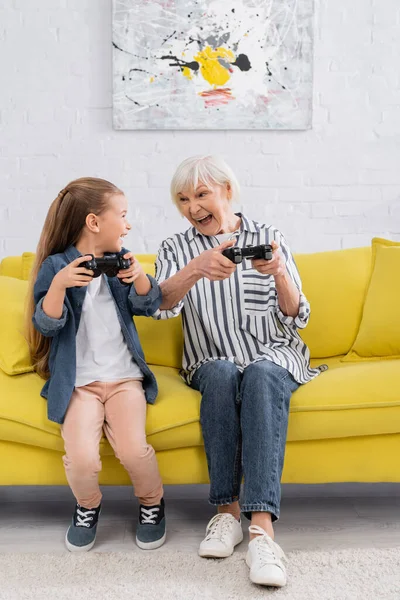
x: 208, y: 208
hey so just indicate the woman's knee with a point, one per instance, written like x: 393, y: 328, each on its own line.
x: 219, y: 377
x: 265, y: 374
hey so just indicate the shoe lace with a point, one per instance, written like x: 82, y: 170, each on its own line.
x: 268, y: 551
x: 149, y: 515
x: 219, y: 526
x: 84, y: 516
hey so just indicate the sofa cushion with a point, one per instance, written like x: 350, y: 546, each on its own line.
x: 14, y: 351
x: 379, y: 335
x: 348, y: 400
x: 335, y: 284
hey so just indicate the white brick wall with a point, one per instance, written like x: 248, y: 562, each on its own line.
x: 334, y: 186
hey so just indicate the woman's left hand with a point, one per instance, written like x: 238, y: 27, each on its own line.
x: 275, y: 267
x: 135, y: 270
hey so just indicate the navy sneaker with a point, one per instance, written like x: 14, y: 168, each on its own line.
x: 150, y: 533
x: 81, y: 534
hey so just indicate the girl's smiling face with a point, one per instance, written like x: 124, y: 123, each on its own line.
x: 113, y: 224
x: 208, y: 208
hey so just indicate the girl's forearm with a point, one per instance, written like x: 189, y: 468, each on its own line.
x: 53, y: 302
x: 142, y: 285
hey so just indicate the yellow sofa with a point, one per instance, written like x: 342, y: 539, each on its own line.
x: 344, y: 425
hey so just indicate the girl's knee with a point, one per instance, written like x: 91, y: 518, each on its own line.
x: 82, y: 463
x: 132, y: 455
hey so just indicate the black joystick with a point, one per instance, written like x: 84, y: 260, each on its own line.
x: 110, y: 264
x: 236, y: 255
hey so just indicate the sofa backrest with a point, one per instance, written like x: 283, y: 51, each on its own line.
x: 334, y: 282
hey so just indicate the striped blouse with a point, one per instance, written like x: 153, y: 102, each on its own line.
x: 237, y: 319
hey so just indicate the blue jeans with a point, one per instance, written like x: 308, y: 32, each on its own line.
x: 244, y: 419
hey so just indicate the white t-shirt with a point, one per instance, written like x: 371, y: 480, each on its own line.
x: 101, y: 351
x: 223, y: 237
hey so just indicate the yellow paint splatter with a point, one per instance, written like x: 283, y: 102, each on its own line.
x: 187, y: 72
x: 210, y: 67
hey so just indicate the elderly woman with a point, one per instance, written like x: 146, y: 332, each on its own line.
x: 242, y: 352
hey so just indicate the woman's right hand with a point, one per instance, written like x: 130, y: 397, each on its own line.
x: 213, y: 265
x: 73, y: 275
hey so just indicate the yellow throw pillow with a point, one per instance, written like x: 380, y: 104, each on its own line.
x: 335, y: 284
x: 28, y: 259
x: 378, y: 337
x: 14, y: 351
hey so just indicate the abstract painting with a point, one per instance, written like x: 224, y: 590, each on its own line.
x: 212, y: 64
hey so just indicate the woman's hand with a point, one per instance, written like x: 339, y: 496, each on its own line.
x: 135, y: 274
x: 275, y: 267
x: 73, y: 275
x: 213, y: 265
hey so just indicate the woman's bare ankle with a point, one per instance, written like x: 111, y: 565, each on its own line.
x: 263, y: 520
x: 231, y: 509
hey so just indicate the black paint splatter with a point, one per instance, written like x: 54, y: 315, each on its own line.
x: 194, y: 65
x: 130, y: 53
x: 132, y: 100
x: 168, y: 38
x: 270, y: 74
x: 242, y: 62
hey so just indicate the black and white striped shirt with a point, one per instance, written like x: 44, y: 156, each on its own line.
x: 237, y: 319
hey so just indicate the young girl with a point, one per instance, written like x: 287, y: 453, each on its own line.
x: 84, y: 342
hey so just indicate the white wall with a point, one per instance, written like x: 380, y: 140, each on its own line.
x: 334, y: 186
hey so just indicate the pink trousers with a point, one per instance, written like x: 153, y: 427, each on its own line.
x: 118, y: 407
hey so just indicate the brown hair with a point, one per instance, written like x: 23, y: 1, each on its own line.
x: 63, y: 226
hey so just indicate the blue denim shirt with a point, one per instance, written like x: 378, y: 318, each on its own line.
x: 62, y: 361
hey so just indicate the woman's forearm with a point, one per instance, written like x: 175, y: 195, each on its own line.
x: 176, y: 287
x: 288, y: 295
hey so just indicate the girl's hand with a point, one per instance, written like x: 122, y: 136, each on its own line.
x: 134, y: 272
x: 275, y: 267
x: 73, y: 275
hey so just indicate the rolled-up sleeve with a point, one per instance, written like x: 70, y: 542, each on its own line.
x: 145, y: 306
x: 47, y: 326
x: 166, y: 267
x: 300, y: 321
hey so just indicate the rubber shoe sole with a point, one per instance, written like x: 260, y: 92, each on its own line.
x: 277, y: 579
x: 73, y: 548
x: 151, y: 545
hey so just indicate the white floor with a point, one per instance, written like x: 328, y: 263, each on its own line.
x: 34, y: 519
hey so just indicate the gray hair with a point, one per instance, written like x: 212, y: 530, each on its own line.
x: 210, y: 170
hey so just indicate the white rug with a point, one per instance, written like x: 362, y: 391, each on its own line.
x: 367, y: 574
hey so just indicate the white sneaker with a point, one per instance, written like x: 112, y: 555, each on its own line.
x: 264, y: 557
x: 223, y: 533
